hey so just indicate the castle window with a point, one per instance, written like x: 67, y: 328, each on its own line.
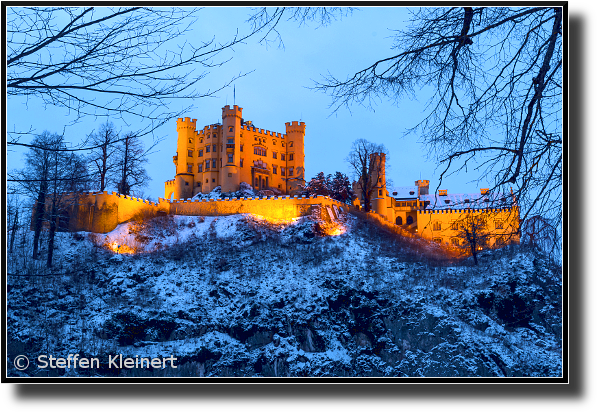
x: 189, y: 168
x: 214, y: 180
x: 454, y: 225
x: 214, y: 148
x: 241, y: 148
x: 229, y: 158
x: 290, y: 157
x: 455, y: 241
x: 213, y: 135
x: 291, y: 144
x: 190, y: 141
x: 186, y: 183
x: 438, y: 240
x: 395, y: 193
x: 207, y: 148
x: 207, y: 165
x: 230, y: 174
x: 282, y: 157
x: 206, y: 181
x: 200, y: 153
x: 436, y: 226
x: 467, y: 200
x: 380, y: 193
x: 241, y: 163
x: 260, y: 151
x: 282, y: 144
x: 279, y: 186
x: 411, y: 193
x: 283, y: 172
x: 200, y: 167
x: 274, y: 169
x: 201, y: 140
x: 398, y: 221
x: 409, y: 220
x: 190, y: 153
x: 447, y: 201
x: 499, y: 225
x: 230, y: 129
x: 290, y: 171
x: 213, y: 162
x: 274, y: 155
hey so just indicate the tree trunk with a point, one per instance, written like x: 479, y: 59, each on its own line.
x: 38, y: 220
x: 52, y: 232
x: 15, y: 225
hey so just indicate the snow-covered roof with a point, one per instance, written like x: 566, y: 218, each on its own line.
x: 403, y: 193
x: 460, y: 201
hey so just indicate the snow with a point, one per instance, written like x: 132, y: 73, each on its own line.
x: 250, y: 297
x: 462, y: 201
x: 404, y: 193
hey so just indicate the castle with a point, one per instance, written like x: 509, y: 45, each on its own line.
x: 443, y: 218
x: 235, y: 151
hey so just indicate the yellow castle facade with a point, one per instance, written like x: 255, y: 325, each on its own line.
x: 235, y: 151
x: 445, y: 218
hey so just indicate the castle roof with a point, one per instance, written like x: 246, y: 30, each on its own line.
x: 461, y: 201
x: 404, y: 193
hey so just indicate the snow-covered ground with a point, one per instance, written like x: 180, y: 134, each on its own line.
x: 240, y: 296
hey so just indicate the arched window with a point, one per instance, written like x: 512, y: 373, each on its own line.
x: 230, y: 129
x: 409, y: 220
x: 399, y: 221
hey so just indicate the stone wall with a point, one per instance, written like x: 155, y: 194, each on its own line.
x: 102, y: 212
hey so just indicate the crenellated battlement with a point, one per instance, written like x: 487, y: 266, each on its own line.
x: 186, y: 123
x: 468, y: 210
x: 234, y: 112
x: 295, y: 126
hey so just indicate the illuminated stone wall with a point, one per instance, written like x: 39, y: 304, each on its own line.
x: 102, y: 212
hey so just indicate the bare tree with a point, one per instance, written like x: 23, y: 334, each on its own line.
x: 266, y: 20
x: 34, y: 179
x: 49, y: 173
x: 474, y: 232
x: 538, y: 233
x: 102, y: 158
x: 496, y: 103
x: 110, y: 61
x: 131, y: 161
x: 366, y: 168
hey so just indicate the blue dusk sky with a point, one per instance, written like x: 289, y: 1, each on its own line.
x: 278, y: 89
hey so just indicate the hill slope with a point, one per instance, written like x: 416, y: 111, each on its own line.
x: 238, y: 296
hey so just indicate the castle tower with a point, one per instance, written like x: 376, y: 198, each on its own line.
x: 379, y: 184
x: 295, y: 155
x: 184, y: 160
x: 231, y: 131
x: 422, y: 187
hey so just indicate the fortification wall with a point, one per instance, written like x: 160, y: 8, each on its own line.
x: 102, y: 212
x: 276, y: 208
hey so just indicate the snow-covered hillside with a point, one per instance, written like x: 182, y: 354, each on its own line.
x: 239, y: 296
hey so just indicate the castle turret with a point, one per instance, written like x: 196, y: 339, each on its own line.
x: 379, y: 184
x: 229, y: 177
x: 295, y: 132
x: 422, y: 187
x: 184, y: 160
